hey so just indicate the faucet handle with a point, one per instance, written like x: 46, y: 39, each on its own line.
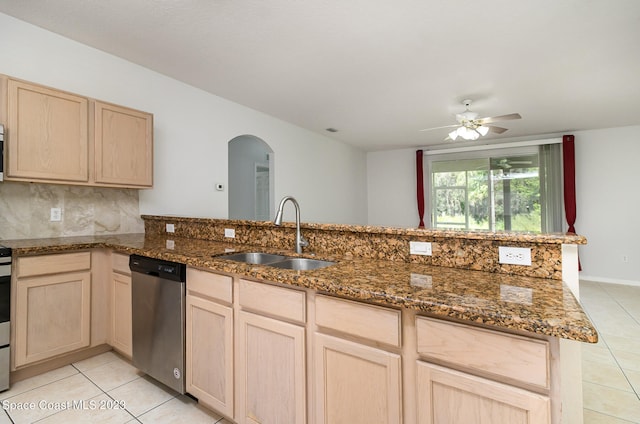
x: 303, y: 241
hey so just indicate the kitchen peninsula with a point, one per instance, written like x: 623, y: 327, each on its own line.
x: 454, y: 334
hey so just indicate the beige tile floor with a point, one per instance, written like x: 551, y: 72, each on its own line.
x: 611, y: 368
x: 611, y: 378
x: 102, y: 389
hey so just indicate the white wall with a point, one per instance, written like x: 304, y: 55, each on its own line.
x: 607, y: 197
x: 608, y: 203
x: 192, y: 129
x: 391, y: 182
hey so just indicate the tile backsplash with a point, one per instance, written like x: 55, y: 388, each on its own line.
x: 25, y: 210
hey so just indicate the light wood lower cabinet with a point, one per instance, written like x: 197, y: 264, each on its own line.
x: 52, y: 312
x: 121, y: 313
x: 356, y: 383
x: 209, y: 340
x: 271, y: 375
x: 445, y: 396
x: 210, y: 353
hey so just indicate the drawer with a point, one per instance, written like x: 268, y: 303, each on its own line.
x: 371, y: 322
x: 28, y: 266
x: 120, y: 263
x: 209, y: 284
x: 280, y: 302
x: 504, y: 355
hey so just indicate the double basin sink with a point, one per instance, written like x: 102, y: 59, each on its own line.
x: 278, y: 261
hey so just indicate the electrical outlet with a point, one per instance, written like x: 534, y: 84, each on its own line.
x: 230, y: 233
x: 514, y: 255
x: 171, y: 228
x: 56, y: 214
x: 420, y: 248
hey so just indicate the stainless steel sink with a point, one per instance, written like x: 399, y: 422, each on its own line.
x: 257, y: 258
x: 277, y: 261
x: 301, y: 264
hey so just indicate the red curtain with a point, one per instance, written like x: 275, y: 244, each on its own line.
x: 420, y: 185
x: 569, y: 169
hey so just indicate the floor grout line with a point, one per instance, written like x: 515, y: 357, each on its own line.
x: 609, y: 415
x: 628, y: 317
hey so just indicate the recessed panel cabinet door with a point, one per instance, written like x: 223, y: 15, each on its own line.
x: 446, y: 396
x: 53, y: 316
x: 47, y: 134
x: 355, y: 383
x: 271, y: 371
x: 123, y: 146
x: 209, y: 356
x: 121, y: 313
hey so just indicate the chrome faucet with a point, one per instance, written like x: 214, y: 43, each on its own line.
x: 300, y: 241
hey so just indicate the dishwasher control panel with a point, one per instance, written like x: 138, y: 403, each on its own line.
x: 158, y: 267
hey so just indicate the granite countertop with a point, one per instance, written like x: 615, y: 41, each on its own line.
x: 537, y: 305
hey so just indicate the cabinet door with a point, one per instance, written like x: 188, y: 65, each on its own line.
x: 47, y: 137
x: 121, y: 313
x: 271, y: 371
x: 209, y: 358
x: 355, y: 383
x: 445, y: 396
x: 123, y: 146
x: 53, y: 316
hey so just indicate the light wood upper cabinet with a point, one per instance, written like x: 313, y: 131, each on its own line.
x: 47, y: 134
x: 123, y: 146
x: 57, y: 137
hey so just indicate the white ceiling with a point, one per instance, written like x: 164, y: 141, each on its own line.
x: 380, y: 70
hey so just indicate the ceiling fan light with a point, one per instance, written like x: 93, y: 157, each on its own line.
x: 483, y: 130
x: 453, y: 135
x: 467, y: 133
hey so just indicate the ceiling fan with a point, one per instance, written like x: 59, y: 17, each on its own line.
x: 470, y: 127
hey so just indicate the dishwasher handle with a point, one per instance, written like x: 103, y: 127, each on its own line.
x: 167, y: 270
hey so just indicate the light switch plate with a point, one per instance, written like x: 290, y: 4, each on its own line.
x: 420, y: 248
x: 171, y: 228
x: 230, y: 233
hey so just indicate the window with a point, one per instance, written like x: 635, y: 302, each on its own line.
x: 513, y: 189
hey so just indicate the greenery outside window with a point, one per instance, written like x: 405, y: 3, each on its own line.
x: 499, y: 189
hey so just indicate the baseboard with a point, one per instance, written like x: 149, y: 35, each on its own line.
x: 60, y: 361
x: 609, y: 280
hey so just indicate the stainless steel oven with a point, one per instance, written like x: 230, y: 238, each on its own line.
x: 5, y: 311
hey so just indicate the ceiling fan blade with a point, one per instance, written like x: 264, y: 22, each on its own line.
x: 500, y: 118
x: 496, y: 130
x: 438, y: 128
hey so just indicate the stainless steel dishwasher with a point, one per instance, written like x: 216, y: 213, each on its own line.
x: 158, y: 313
